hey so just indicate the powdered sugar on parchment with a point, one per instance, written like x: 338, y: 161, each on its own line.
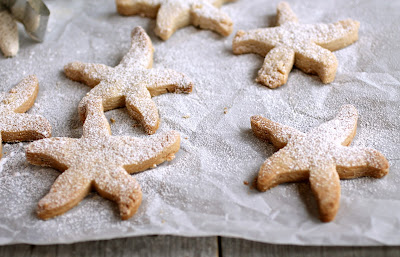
x: 201, y: 192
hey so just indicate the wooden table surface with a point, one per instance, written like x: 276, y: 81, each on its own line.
x: 186, y: 247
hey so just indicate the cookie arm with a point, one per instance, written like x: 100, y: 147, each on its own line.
x: 165, y: 81
x: 342, y: 128
x: 278, y: 169
x: 132, y: 7
x: 312, y: 58
x: 285, y: 14
x: 119, y: 186
x: 24, y: 127
x: 50, y: 152
x: 171, y: 16
x: 9, y: 43
x: 207, y: 16
x: 337, y: 35
x: 278, y: 134
x: 219, y: 3
x: 354, y: 162
x: 161, y: 147
x: 276, y: 68
x: 141, y: 51
x: 325, y: 184
x: 22, y: 96
x: 96, y: 124
x: 258, y: 41
x: 143, y: 109
x: 67, y: 191
x: 90, y: 74
x: 113, y: 97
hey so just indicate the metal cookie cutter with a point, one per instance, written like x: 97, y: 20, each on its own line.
x: 34, y: 14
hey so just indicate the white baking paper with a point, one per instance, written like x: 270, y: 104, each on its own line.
x: 202, y: 191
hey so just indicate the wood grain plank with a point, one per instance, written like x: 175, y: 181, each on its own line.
x: 148, y: 246
x: 238, y: 247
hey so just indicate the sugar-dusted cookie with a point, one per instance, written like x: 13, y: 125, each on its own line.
x: 100, y: 161
x: 307, y: 46
x: 9, y: 42
x: 174, y: 14
x: 15, y: 125
x: 132, y: 83
x: 322, y: 156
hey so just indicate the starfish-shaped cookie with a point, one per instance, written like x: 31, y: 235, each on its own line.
x: 307, y: 46
x: 100, y: 161
x: 174, y: 14
x: 132, y: 83
x: 15, y: 125
x: 321, y: 155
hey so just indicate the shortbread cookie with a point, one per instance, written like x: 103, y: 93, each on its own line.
x: 132, y: 83
x: 322, y: 156
x: 100, y: 161
x: 306, y: 46
x: 174, y: 14
x: 15, y: 125
x: 9, y: 42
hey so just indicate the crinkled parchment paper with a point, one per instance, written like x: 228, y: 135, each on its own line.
x: 202, y: 191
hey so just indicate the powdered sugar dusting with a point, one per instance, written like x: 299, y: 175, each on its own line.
x: 173, y: 14
x: 131, y: 83
x: 100, y: 160
x: 299, y: 44
x: 321, y: 147
x: 201, y: 191
x: 15, y: 125
x: 2, y: 161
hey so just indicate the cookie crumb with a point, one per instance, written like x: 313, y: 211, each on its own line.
x: 186, y: 137
x: 186, y: 116
x: 162, y: 221
x: 112, y: 120
x: 225, y: 110
x: 246, y: 182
